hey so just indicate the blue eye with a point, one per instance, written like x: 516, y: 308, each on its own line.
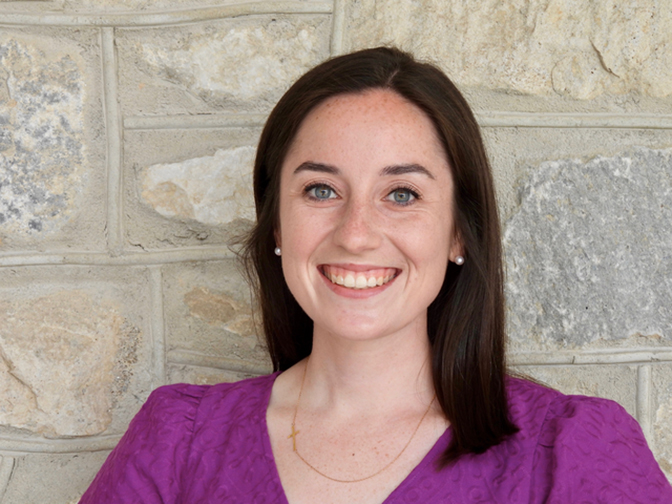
x: 403, y: 196
x: 320, y: 192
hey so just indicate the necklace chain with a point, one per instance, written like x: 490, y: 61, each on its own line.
x: 296, y: 450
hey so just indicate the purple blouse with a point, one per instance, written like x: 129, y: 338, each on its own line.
x: 210, y: 444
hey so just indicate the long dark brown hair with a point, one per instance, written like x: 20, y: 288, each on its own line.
x: 466, y: 320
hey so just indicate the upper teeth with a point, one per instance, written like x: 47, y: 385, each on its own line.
x: 354, y: 280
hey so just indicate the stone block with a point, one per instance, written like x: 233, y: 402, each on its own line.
x: 114, y: 6
x: 41, y: 478
x: 661, y: 377
x: 50, y: 139
x: 213, y: 190
x: 188, y: 187
x: 199, y: 375
x: 110, y: 6
x: 75, y: 349
x: 208, y: 312
x: 588, y: 252
x: 241, y: 64
x: 516, y: 153
x: 615, y: 382
x: 577, y: 50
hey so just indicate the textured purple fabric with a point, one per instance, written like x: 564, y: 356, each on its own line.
x: 209, y: 444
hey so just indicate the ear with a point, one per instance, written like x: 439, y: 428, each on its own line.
x: 456, y: 248
x: 276, y: 235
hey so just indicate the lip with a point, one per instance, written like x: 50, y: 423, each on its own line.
x: 356, y: 268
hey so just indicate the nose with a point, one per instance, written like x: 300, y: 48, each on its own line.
x: 358, y: 228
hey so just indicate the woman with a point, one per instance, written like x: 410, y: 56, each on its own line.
x: 376, y: 258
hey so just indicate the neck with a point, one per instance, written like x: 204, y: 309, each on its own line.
x: 360, y: 375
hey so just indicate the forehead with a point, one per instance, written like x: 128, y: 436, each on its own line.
x: 373, y: 120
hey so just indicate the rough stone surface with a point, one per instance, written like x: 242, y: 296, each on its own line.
x: 110, y: 6
x: 50, y: 135
x: 181, y: 373
x: 588, y: 252
x: 52, y: 478
x: 207, y: 308
x: 618, y: 383
x: 213, y: 190
x: 178, y: 208
x: 41, y: 145
x: 242, y: 64
x: 74, y: 350
x: 662, y: 416
x: 516, y: 153
x: 57, y: 355
x: 580, y: 50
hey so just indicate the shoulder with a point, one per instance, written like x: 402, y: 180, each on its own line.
x: 554, y: 415
x: 171, y: 402
x: 189, y: 407
x: 573, y: 422
x: 148, y: 463
x: 585, y: 448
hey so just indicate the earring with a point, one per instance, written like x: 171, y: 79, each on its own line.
x: 459, y: 260
x: 277, y: 251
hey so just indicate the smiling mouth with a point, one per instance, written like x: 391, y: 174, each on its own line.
x: 359, y: 279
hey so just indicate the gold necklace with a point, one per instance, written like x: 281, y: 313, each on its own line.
x: 295, y: 432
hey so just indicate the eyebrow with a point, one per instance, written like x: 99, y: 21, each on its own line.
x: 406, y: 168
x: 401, y: 169
x: 317, y: 167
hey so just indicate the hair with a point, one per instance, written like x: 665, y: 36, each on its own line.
x: 466, y: 320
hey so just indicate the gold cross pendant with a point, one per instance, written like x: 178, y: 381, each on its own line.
x: 293, y: 436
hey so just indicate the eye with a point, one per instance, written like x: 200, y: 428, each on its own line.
x: 403, y: 196
x: 320, y: 192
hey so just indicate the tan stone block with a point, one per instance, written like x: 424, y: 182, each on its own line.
x: 114, y: 6
x: 74, y: 352
x: 208, y: 312
x: 662, y: 416
x: 618, y: 383
x: 580, y: 50
x: 241, y: 64
x: 215, y: 190
x: 182, y: 373
x: 51, y: 120
x: 188, y: 187
x: 42, y: 478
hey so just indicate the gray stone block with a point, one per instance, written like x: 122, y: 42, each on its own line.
x: 50, y: 120
x: 588, y: 252
x: 516, y: 153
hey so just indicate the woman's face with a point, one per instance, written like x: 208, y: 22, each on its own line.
x: 366, y: 221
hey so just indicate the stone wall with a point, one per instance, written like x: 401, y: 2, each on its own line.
x: 127, y: 135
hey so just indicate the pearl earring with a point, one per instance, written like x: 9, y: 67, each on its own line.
x: 459, y: 260
x: 277, y: 251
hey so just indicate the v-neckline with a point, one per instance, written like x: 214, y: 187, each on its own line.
x: 432, y: 455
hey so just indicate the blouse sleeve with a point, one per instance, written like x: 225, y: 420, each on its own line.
x: 592, y: 450
x: 146, y: 465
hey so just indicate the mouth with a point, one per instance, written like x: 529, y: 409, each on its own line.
x: 358, y: 280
